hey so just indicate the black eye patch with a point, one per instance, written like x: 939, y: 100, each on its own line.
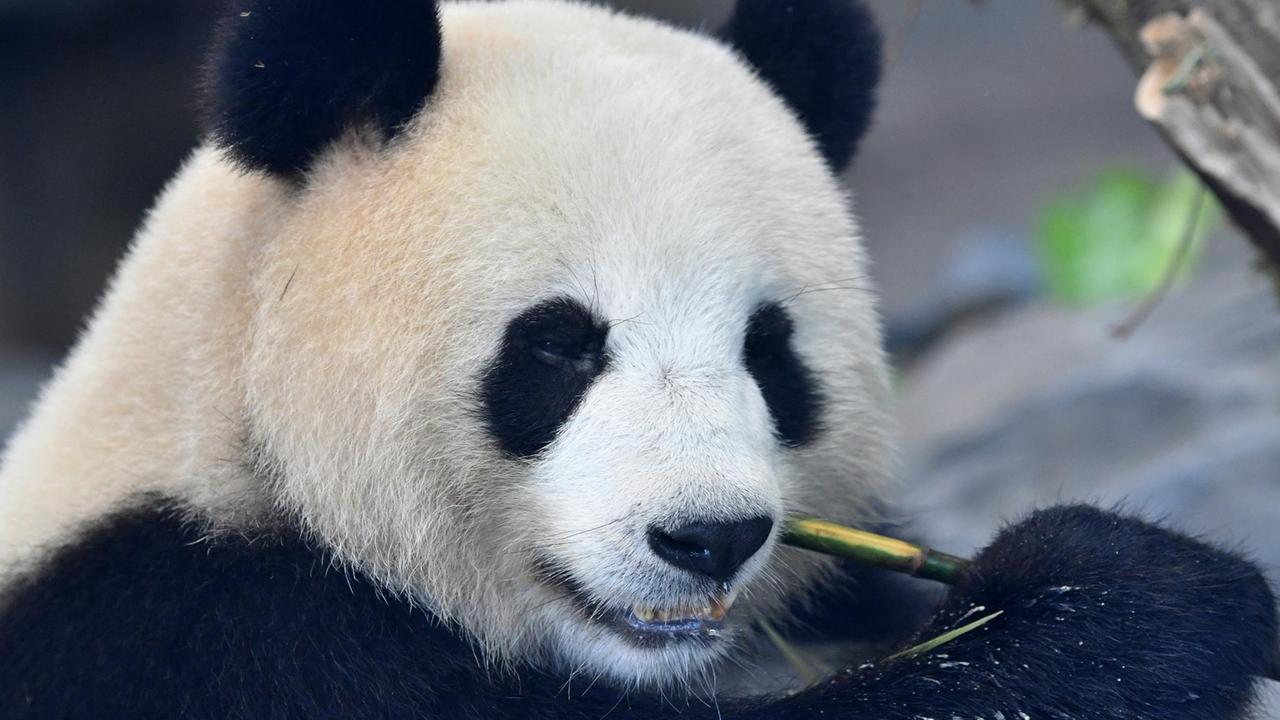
x: 551, y: 354
x: 788, y: 387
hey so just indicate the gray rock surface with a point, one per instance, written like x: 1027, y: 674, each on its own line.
x: 1042, y: 405
x: 1180, y: 422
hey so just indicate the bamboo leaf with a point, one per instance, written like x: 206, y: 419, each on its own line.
x: 945, y: 637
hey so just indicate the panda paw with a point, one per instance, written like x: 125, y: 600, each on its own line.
x: 1091, y: 616
x: 1119, y: 615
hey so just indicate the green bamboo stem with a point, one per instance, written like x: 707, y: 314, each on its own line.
x: 877, y: 550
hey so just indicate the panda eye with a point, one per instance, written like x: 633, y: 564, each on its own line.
x: 580, y: 354
x: 788, y: 386
x: 563, y: 334
x: 551, y: 351
x: 551, y: 354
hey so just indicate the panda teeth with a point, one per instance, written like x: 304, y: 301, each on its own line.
x: 713, y: 610
x: 719, y: 607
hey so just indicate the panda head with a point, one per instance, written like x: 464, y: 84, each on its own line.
x: 561, y: 312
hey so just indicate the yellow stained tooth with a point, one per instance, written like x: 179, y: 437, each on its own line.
x: 719, y: 607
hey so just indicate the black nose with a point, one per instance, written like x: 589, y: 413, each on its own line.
x: 716, y: 550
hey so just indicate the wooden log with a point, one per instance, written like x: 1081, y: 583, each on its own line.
x: 1210, y: 72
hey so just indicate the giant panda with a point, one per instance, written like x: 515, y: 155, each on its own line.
x: 470, y: 368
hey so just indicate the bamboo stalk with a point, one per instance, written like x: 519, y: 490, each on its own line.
x: 877, y: 550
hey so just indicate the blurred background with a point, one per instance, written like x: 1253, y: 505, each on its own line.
x: 1017, y: 210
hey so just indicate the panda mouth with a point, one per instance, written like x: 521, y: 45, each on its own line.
x: 712, y: 611
x: 642, y: 624
x: 701, y: 619
x: 649, y: 627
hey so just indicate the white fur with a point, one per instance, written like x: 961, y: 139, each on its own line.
x: 340, y: 334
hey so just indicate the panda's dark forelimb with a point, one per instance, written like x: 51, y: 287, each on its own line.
x: 1093, y: 626
x: 151, y: 620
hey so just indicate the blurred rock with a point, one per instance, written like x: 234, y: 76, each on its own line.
x: 1041, y: 405
x: 991, y: 271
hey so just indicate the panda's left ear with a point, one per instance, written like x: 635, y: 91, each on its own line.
x: 288, y: 77
x: 822, y: 57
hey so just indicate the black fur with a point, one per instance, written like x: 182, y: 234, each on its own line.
x: 788, y: 386
x: 288, y: 77
x: 864, y: 605
x: 1104, y: 618
x: 550, y: 355
x: 822, y: 57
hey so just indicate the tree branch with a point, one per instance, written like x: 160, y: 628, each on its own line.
x: 1209, y: 84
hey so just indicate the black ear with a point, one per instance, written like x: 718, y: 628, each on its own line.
x: 288, y: 77
x: 822, y: 57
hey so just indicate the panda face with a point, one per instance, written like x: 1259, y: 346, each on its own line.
x: 559, y: 360
x: 656, y: 461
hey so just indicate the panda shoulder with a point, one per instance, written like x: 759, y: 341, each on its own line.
x: 153, y: 615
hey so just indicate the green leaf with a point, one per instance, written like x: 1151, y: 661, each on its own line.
x: 1117, y: 238
x: 945, y: 637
